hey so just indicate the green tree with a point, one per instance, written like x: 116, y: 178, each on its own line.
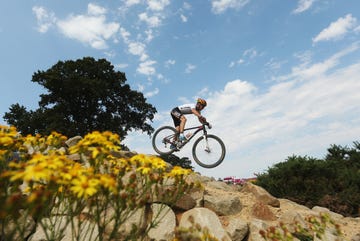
x: 83, y: 96
x: 174, y: 160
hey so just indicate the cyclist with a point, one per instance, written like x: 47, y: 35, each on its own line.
x: 179, y: 112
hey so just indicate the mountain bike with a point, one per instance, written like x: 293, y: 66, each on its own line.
x: 208, y: 150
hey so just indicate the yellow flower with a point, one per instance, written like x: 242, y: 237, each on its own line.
x: 94, y: 152
x: 55, y: 139
x: 6, y: 141
x: 40, y: 168
x: 179, y: 171
x: 84, y: 186
x: 37, y: 172
x: 158, y: 163
x: 108, y: 182
x: 144, y: 170
x: 105, y: 142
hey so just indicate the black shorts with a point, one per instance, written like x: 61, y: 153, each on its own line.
x: 176, y: 114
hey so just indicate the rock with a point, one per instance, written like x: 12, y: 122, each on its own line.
x: 255, y: 226
x: 235, y: 227
x: 356, y: 237
x: 219, y: 185
x: 206, y: 219
x: 186, y: 202
x: 224, y: 204
x: 261, y: 194
x: 262, y: 211
x: 73, y: 141
x: 164, y: 229
x: 333, y: 215
x: 88, y: 231
x: 123, y: 154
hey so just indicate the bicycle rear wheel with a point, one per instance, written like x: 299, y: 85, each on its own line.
x: 162, y: 139
x: 208, y: 152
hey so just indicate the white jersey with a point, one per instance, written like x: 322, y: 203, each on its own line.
x: 186, y: 109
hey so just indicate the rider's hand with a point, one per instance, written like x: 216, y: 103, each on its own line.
x: 202, y: 119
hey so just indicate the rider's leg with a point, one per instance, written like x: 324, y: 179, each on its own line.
x: 177, y: 128
x: 182, y: 124
x: 176, y: 116
x: 182, y: 127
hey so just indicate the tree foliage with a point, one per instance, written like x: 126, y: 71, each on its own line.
x: 333, y: 182
x: 83, y: 96
x: 174, y: 160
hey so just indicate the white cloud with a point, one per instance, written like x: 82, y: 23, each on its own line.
x: 304, y: 57
x: 183, y: 18
x: 146, y: 68
x: 337, y: 29
x: 220, y: 6
x: 305, y: 71
x: 129, y: 3
x: 169, y: 62
x: 357, y: 29
x: 303, y: 5
x: 274, y: 64
x: 45, y: 19
x: 152, y: 22
x: 151, y: 93
x: 91, y: 29
x: 189, y: 68
x: 121, y: 66
x: 250, y: 53
x: 238, y: 62
x: 187, y: 6
x: 247, y: 55
x: 125, y: 34
x: 139, y: 49
x: 203, y: 92
x: 136, y: 48
x: 96, y: 10
x: 157, y: 5
x: 184, y: 100
x: 149, y: 35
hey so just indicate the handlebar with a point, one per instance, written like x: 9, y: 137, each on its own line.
x: 208, y: 124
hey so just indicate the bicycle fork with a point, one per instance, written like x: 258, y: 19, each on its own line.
x: 206, y: 145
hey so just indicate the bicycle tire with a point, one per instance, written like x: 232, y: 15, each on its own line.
x: 215, y: 144
x: 157, y: 140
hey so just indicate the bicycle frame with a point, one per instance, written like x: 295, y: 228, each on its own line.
x: 198, y: 129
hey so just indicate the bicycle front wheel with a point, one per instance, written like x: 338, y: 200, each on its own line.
x: 208, y: 152
x: 162, y: 140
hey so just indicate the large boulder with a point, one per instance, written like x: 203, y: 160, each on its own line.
x: 165, y: 221
x: 261, y: 194
x: 206, y: 219
x: 223, y: 204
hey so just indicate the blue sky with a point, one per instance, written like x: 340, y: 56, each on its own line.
x: 280, y: 77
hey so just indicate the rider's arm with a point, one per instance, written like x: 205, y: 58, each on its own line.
x: 198, y: 114
x: 195, y: 112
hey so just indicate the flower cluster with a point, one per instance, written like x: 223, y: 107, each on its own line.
x: 40, y: 180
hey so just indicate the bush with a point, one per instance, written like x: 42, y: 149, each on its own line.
x: 333, y: 183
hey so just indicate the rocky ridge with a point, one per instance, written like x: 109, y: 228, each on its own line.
x: 230, y: 212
